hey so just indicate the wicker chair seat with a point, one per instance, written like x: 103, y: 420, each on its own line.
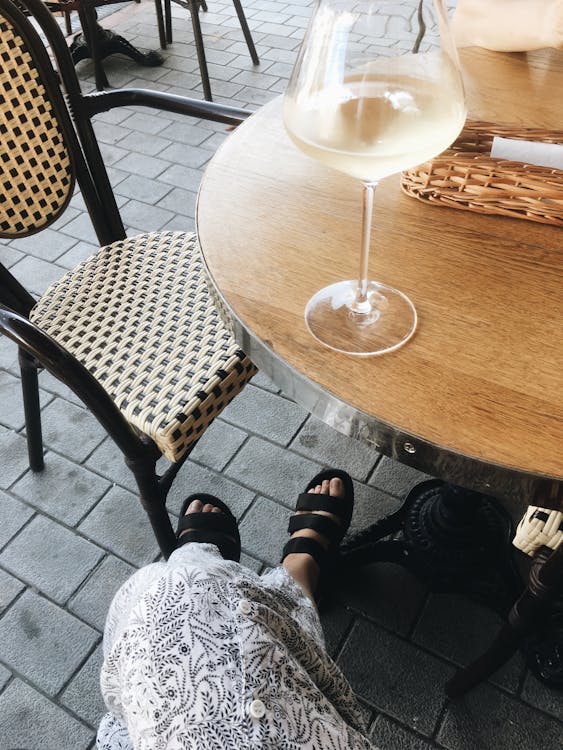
x: 137, y: 314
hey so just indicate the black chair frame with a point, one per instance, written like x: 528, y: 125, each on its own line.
x: 164, y: 21
x: 37, y: 350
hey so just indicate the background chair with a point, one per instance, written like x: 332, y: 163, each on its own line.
x: 164, y: 20
x: 132, y: 329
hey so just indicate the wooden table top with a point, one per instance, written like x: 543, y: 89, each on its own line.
x: 477, y: 395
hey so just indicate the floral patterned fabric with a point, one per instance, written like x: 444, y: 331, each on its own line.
x: 202, y: 653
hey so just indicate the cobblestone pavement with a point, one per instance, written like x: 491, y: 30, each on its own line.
x: 70, y: 535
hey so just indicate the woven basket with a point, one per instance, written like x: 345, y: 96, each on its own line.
x: 466, y: 177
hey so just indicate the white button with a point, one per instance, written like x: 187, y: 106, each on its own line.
x: 244, y: 607
x: 257, y: 709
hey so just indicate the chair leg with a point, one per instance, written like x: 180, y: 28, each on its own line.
x: 89, y: 23
x: 246, y: 32
x: 160, y: 23
x: 544, y: 585
x: 32, y: 410
x: 153, y: 500
x: 168, y: 20
x: 194, y: 12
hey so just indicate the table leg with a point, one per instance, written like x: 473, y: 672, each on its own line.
x: 108, y: 43
x: 535, y: 624
x: 459, y: 541
x: 451, y: 539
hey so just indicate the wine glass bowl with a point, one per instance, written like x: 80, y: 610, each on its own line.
x: 369, y: 105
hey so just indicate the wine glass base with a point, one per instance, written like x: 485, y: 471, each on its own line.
x: 387, y: 323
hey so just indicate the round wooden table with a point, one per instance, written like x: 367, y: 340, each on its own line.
x: 476, y: 397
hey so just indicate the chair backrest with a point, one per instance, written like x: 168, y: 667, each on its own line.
x: 37, y: 178
x: 44, y: 147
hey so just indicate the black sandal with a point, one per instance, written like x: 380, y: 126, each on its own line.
x: 342, y: 507
x: 212, y: 528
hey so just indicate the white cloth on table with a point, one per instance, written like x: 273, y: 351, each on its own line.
x: 202, y: 653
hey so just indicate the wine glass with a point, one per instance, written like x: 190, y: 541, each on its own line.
x: 376, y: 89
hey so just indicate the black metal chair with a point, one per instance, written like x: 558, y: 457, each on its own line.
x: 164, y: 20
x: 132, y: 329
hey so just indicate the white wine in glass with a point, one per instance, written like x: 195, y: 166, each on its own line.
x: 369, y: 105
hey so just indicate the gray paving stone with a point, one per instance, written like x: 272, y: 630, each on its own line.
x: 9, y: 257
x: 390, y: 736
x: 13, y: 449
x: 187, y: 131
x: 108, y: 460
x: 12, y: 414
x: 182, y: 177
x: 147, y: 166
x: 395, y: 677
x: 53, y: 385
x: 272, y: 471
x: 50, y: 558
x: 36, y: 275
x: 83, y: 694
x: 336, y: 621
x: 31, y: 722
x: 10, y: 587
x: 489, y: 720
x: 79, y: 252
x: 542, y: 697
x: 250, y: 562
x: 43, y: 642
x: 112, y: 154
x: 254, y: 98
x: 384, y: 592
x: 461, y: 631
x: 265, y: 413
x: 49, y: 245
x: 5, y: 676
x: 395, y: 478
x: 195, y: 478
x: 82, y: 229
x: 142, y: 189
x: 218, y: 445
x: 63, y: 489
x: 113, y: 116
x: 180, y: 201
x: 8, y: 352
x: 91, y: 602
x: 110, y: 133
x: 370, y: 505
x: 189, y: 156
x: 263, y: 381
x: 147, y: 123
x: 140, y: 144
x: 71, y: 429
x: 146, y: 217
x: 119, y: 523
x: 69, y: 215
x: 321, y: 443
x: 13, y: 515
x: 263, y: 530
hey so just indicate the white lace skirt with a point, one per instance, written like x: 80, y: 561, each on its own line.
x: 202, y: 653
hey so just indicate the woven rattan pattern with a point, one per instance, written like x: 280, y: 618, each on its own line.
x: 35, y: 169
x: 539, y: 527
x: 466, y: 177
x: 138, y: 315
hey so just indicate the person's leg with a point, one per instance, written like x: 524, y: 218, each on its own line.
x: 302, y: 567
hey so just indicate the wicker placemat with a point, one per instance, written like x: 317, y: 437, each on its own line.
x: 465, y: 176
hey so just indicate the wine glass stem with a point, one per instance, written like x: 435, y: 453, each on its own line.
x: 361, y: 304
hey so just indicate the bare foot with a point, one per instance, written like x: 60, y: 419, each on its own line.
x: 301, y: 566
x: 196, y: 506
